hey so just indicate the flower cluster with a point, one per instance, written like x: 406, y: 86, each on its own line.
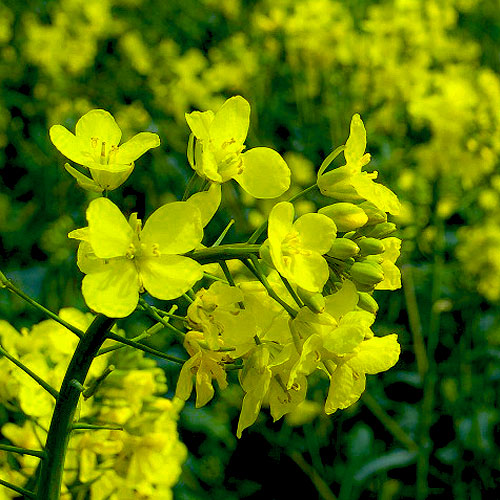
x: 142, y: 456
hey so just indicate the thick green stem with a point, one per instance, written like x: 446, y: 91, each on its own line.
x: 224, y: 252
x: 49, y: 483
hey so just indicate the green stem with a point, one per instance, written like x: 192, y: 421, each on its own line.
x: 145, y: 348
x: 22, y: 451
x: 256, y: 269
x: 153, y: 314
x: 32, y: 374
x: 18, y: 489
x: 6, y: 283
x: 49, y: 481
x: 92, y: 427
x: 224, y: 252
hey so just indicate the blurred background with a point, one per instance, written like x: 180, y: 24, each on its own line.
x: 423, y: 74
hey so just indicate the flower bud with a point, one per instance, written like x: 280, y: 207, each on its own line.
x: 378, y: 259
x: 313, y: 300
x: 343, y: 248
x: 367, y: 302
x: 367, y: 273
x: 370, y: 246
x: 346, y: 216
x: 374, y: 214
x: 378, y: 230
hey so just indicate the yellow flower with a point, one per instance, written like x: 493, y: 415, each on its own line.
x: 121, y: 259
x: 218, y: 153
x: 95, y: 146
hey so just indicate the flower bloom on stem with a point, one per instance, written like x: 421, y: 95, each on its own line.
x: 122, y: 259
x: 218, y: 152
x: 349, y: 183
x: 296, y: 248
x: 95, y: 146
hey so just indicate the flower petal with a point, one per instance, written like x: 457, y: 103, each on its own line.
x: 109, y: 232
x: 175, y: 227
x: 169, y: 276
x: 345, y: 389
x: 316, y: 231
x: 114, y: 292
x: 343, y: 301
x: 199, y: 123
x: 381, y: 196
x: 356, y: 142
x: 376, y: 355
x: 83, y: 181
x: 207, y: 202
x: 308, y: 271
x: 74, y: 148
x: 231, y: 122
x: 100, y: 124
x: 265, y: 174
x: 137, y: 146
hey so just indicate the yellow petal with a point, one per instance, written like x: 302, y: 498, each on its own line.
x: 376, y: 355
x: 72, y: 147
x: 99, y: 124
x: 115, y: 292
x: 345, y: 389
x: 230, y: 124
x: 169, y: 276
x: 175, y: 227
x: 207, y: 202
x: 316, y: 232
x: 265, y: 174
x: 109, y: 232
x: 129, y: 151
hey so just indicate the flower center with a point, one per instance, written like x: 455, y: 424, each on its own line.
x: 105, y: 154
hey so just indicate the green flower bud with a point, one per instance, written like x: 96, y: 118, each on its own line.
x: 367, y: 302
x: 378, y: 259
x: 343, y: 248
x: 367, y: 273
x: 380, y: 231
x: 314, y: 301
x: 370, y: 246
x: 346, y: 216
x: 375, y: 215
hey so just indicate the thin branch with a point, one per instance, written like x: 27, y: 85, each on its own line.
x: 6, y: 283
x: 22, y: 451
x: 18, y: 489
x: 32, y: 374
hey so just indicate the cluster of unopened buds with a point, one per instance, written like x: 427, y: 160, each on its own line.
x: 300, y: 301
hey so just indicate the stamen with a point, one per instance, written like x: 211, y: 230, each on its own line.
x: 130, y: 253
x: 94, y: 141
x: 103, y: 154
x: 155, y: 249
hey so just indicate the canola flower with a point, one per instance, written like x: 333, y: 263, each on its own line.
x: 121, y: 258
x: 218, y: 151
x: 95, y: 146
x: 296, y: 248
x: 349, y: 183
x: 309, y: 310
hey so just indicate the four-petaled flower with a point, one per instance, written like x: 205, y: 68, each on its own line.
x: 296, y: 248
x: 120, y: 259
x: 95, y: 146
x: 218, y: 152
